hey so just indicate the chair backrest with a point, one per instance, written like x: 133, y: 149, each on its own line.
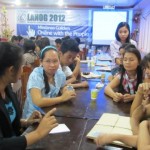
x: 36, y: 63
x: 24, y: 79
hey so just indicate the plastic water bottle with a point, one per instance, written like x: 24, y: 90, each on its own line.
x: 88, y: 58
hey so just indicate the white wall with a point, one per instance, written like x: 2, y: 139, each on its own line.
x: 12, y: 19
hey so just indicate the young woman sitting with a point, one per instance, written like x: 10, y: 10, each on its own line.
x: 128, y: 79
x: 141, y: 104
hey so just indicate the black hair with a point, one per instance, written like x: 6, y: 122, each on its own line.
x: 120, y: 25
x: 145, y: 61
x: 29, y: 45
x: 38, y: 37
x: 44, y: 42
x: 10, y: 55
x: 78, y: 40
x: 69, y: 45
x: 42, y: 55
x: 58, y: 41
x: 126, y: 46
x: 32, y: 38
x: 14, y: 38
x: 65, y: 38
x: 20, y: 38
x: 139, y: 69
x: 38, y: 43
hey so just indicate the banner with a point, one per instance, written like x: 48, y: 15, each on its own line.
x: 54, y: 23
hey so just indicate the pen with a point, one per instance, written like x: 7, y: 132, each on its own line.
x: 39, y: 109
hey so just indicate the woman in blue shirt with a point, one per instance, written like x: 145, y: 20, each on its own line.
x: 45, y: 82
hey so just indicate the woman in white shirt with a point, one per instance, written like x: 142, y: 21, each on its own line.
x: 122, y: 35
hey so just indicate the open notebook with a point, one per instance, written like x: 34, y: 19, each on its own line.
x: 111, y: 123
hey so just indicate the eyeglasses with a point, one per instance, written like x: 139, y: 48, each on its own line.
x: 128, y: 60
x: 51, y: 62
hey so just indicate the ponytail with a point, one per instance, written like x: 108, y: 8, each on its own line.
x: 47, y: 87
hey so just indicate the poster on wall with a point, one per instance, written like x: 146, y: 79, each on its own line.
x: 54, y: 23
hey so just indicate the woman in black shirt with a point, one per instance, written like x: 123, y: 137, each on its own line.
x: 11, y: 60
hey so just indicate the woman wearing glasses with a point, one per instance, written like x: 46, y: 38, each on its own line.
x: 45, y: 83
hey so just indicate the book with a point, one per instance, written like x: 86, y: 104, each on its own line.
x: 111, y: 123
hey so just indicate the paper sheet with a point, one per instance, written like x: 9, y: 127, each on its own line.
x: 91, y: 75
x: 84, y: 61
x: 107, y: 68
x: 60, y: 129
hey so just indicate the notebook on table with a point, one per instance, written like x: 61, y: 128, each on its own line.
x: 111, y: 123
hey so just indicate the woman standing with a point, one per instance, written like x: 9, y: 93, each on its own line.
x: 122, y: 35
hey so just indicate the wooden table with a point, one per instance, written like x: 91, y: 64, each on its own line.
x: 83, y: 107
x: 80, y: 115
x: 73, y: 140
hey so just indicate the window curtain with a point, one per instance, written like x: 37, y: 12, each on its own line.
x: 144, y: 34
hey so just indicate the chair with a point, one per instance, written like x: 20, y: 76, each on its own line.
x: 24, y: 79
x: 36, y: 63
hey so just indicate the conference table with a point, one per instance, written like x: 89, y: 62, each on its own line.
x: 80, y: 115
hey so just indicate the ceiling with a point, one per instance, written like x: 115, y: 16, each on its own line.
x: 72, y: 3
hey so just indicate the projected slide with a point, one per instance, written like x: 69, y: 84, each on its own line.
x: 105, y: 24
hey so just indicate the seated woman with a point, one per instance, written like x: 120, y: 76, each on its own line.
x: 45, y: 83
x: 141, y: 104
x: 140, y: 141
x: 37, y: 47
x: 29, y: 55
x: 128, y: 79
x: 122, y: 50
x: 11, y: 61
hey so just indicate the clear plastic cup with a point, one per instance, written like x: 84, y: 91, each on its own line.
x: 94, y: 93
